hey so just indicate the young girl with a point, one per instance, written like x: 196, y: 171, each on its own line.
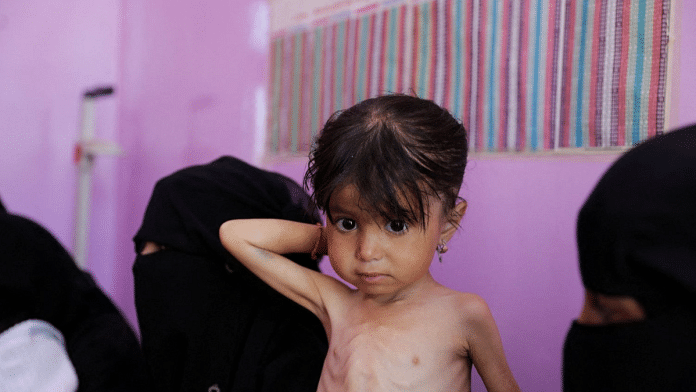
x: 387, y: 173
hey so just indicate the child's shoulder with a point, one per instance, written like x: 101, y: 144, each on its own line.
x: 468, y: 306
x: 466, y: 315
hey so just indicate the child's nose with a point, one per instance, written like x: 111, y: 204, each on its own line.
x: 369, y: 248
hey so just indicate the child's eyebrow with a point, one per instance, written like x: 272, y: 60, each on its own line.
x: 335, y: 209
x: 333, y: 206
x: 338, y: 209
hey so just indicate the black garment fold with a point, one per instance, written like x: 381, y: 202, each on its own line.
x: 205, y: 321
x: 39, y: 280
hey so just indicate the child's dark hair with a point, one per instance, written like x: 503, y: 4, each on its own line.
x: 396, y: 150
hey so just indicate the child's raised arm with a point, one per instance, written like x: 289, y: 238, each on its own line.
x: 259, y: 244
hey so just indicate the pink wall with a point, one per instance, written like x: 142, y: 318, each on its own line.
x: 188, y: 76
x: 516, y: 248
x: 50, y: 53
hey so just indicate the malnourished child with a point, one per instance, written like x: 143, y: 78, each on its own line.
x: 387, y: 173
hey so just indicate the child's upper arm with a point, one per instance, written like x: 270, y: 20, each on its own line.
x: 486, y: 348
x: 259, y: 243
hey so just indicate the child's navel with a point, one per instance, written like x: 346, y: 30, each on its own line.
x: 415, y: 360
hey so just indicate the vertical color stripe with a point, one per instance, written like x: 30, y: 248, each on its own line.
x: 492, y: 62
x: 503, y: 75
x: 662, y: 78
x: 458, y: 30
x: 522, y: 77
x: 581, y: 75
x: 617, y: 138
x: 513, y: 75
x: 638, y: 83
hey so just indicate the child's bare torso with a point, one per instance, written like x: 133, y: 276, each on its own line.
x: 410, y: 346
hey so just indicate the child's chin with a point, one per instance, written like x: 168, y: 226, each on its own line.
x: 374, y: 288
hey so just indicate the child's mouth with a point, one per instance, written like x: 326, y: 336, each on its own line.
x: 372, y: 278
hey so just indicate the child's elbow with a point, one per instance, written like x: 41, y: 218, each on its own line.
x: 226, y: 234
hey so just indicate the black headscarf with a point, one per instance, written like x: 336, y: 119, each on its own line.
x: 637, y: 238
x: 637, y: 230
x: 187, y: 207
x: 206, y: 322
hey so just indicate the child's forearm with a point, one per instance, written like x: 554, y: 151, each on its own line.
x: 260, y: 243
x: 273, y: 235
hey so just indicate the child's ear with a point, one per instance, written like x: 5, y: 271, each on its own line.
x: 453, y: 220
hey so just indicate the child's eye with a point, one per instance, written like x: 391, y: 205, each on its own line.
x: 345, y: 224
x: 397, y: 226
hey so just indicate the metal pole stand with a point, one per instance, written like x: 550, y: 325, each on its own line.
x: 86, y: 149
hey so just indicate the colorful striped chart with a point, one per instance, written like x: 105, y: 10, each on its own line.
x: 522, y: 75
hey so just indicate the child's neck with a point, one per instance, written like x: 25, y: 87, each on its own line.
x: 414, y: 292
